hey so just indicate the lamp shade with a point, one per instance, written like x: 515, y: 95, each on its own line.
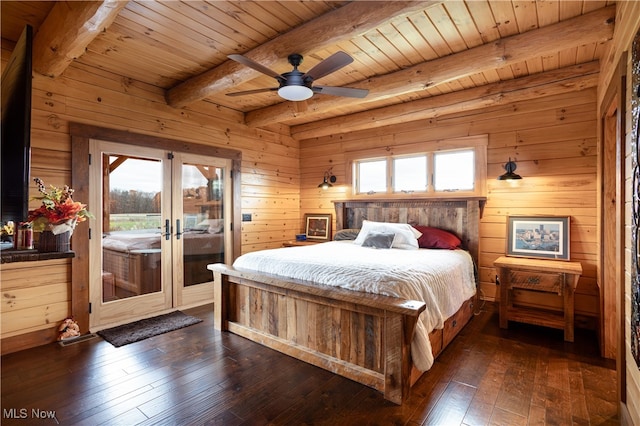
x: 295, y: 93
x: 325, y: 184
x: 327, y: 181
x: 509, y: 174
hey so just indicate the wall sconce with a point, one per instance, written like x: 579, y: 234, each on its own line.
x: 328, y: 179
x: 510, y: 168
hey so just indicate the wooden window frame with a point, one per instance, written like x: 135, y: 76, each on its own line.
x: 478, y: 143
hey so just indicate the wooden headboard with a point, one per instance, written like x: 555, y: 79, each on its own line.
x: 460, y: 216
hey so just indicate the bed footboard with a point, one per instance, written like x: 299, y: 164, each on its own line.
x: 364, y: 337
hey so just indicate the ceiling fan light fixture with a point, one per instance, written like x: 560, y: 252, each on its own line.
x: 296, y: 85
x: 295, y: 93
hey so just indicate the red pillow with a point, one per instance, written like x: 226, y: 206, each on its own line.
x: 437, y: 238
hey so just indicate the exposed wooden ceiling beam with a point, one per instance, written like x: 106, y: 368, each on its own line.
x: 355, y: 18
x: 564, y: 80
x: 594, y: 27
x: 67, y: 31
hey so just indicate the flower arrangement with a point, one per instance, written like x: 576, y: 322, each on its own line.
x: 58, y: 212
x: 7, y: 230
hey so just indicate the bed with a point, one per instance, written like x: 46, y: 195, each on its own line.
x: 364, y: 336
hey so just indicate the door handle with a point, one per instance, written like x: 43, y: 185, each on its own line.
x: 178, y: 233
x: 167, y: 229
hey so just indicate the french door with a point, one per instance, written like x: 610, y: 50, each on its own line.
x: 164, y: 216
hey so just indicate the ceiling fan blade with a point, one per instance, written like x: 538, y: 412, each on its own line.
x: 256, y: 66
x: 252, y: 92
x: 329, y: 65
x: 348, y: 92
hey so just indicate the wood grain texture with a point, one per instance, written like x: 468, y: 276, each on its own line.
x: 595, y: 27
x: 167, y: 44
x: 362, y: 336
x: 539, y: 277
x: 552, y: 141
x: 553, y: 82
x: 266, y: 179
x: 34, y: 296
x: 132, y: 98
x: 352, y: 19
x: 458, y: 215
x: 67, y: 31
x: 196, y: 376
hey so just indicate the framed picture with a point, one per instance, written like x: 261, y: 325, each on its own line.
x: 538, y: 236
x: 318, y: 226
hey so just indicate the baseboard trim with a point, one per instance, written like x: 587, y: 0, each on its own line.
x: 29, y: 340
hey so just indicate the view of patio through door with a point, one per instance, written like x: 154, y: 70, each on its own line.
x: 164, y: 217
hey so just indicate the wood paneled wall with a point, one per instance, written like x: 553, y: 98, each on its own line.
x: 553, y: 141
x: 36, y: 297
x: 270, y: 168
x: 627, y: 25
x: 270, y: 165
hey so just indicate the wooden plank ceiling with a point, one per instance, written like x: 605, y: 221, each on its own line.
x: 417, y: 59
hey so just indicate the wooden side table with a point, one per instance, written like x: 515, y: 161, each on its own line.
x: 296, y: 243
x: 549, y: 276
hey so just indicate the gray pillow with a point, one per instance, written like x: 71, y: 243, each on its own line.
x: 346, y: 234
x: 379, y: 240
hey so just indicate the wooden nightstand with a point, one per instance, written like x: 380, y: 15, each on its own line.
x: 295, y: 243
x: 549, y: 276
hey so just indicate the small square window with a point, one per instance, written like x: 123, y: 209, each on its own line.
x: 372, y: 176
x: 454, y: 170
x: 410, y: 174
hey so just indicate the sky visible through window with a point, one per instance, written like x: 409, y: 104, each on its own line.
x: 146, y: 176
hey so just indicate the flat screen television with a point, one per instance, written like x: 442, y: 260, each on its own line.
x: 16, y: 130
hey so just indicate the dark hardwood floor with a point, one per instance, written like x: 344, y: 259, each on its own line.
x: 525, y: 375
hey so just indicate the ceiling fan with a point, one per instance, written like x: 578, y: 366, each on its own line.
x: 298, y: 86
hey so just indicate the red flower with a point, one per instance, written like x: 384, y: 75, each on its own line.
x: 57, y: 207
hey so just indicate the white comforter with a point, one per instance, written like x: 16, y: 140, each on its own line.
x: 443, y: 279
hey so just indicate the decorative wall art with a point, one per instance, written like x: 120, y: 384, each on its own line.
x: 635, y: 210
x: 544, y: 237
x: 318, y: 226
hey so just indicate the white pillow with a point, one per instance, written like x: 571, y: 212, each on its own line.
x: 406, y: 235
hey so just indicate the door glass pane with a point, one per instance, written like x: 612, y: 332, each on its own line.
x: 131, y: 261
x: 203, y: 221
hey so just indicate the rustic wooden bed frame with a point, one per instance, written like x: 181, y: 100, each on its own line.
x: 361, y: 336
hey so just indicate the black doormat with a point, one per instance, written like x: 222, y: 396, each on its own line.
x: 149, y: 327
